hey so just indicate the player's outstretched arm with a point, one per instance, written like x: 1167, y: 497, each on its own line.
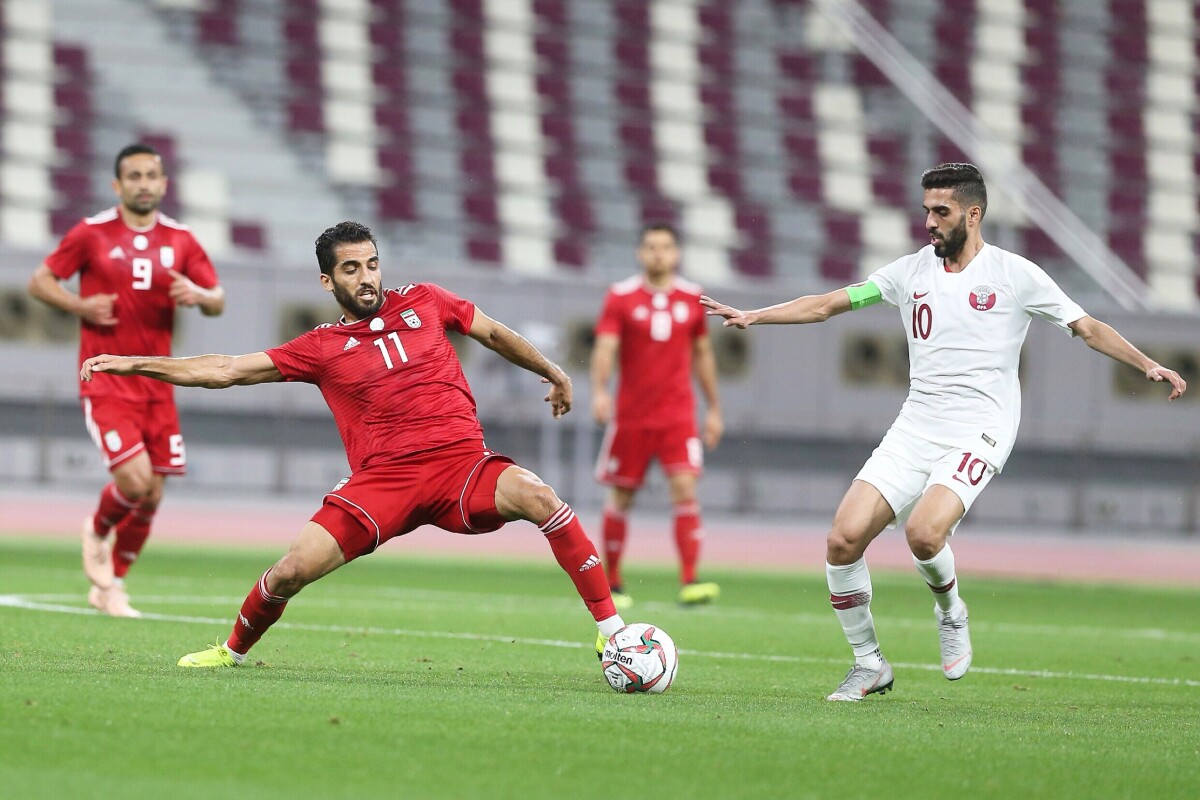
x: 517, y: 349
x: 1103, y: 338
x: 208, y: 372
x: 802, y: 310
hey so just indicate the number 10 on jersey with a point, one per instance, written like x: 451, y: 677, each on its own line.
x: 383, y: 348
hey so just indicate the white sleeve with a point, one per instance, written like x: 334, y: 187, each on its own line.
x: 890, y: 280
x: 1040, y: 296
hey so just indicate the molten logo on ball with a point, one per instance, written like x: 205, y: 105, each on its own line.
x: 640, y: 658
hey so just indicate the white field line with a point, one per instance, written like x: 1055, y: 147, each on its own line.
x: 432, y: 598
x: 23, y: 602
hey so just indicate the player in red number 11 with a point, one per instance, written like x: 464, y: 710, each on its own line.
x: 408, y: 421
x: 966, y: 307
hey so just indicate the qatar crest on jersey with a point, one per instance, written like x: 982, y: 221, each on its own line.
x: 983, y: 298
x: 410, y: 317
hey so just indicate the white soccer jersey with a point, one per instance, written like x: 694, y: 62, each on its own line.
x: 965, y: 331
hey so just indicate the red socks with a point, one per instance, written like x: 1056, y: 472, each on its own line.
x: 615, y: 530
x: 131, y: 534
x: 259, y: 611
x: 577, y: 556
x: 687, y: 540
x: 113, y: 508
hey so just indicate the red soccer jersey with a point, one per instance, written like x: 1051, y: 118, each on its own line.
x: 133, y: 264
x: 657, y: 330
x: 392, y: 380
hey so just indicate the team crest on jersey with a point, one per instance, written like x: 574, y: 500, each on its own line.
x: 983, y: 298
x: 166, y: 256
x: 112, y: 440
x: 410, y: 317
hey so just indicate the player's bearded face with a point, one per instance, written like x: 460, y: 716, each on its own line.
x: 142, y: 183
x: 659, y: 253
x: 361, y: 297
x: 949, y: 244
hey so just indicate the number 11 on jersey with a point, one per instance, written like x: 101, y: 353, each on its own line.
x: 383, y: 348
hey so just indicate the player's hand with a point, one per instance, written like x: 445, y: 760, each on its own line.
x: 560, y: 395
x: 601, y: 405
x: 733, y: 317
x: 183, y: 291
x: 714, y: 428
x: 98, y: 309
x: 1159, y: 374
x: 117, y: 365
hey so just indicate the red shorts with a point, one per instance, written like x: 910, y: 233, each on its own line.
x: 122, y: 428
x: 626, y: 453
x: 453, y: 488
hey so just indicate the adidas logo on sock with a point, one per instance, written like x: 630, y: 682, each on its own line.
x: 245, y: 621
x: 592, y: 561
x: 351, y: 343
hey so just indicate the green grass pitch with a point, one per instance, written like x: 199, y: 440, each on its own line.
x: 401, y: 676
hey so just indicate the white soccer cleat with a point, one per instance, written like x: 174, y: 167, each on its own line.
x: 116, y: 603
x: 861, y: 682
x: 97, y: 557
x: 98, y: 599
x: 956, y: 643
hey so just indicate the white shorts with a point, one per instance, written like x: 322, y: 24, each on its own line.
x: 903, y: 466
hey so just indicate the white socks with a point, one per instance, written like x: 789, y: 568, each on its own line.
x: 610, y: 626
x: 938, y: 572
x: 238, y: 658
x: 850, y: 596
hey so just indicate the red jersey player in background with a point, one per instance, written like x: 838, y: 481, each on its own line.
x: 135, y: 265
x: 408, y: 421
x: 654, y: 321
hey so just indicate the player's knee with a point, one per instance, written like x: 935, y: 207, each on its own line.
x: 842, y: 547
x: 537, y: 500
x: 289, y: 576
x: 135, y: 487
x: 925, y: 540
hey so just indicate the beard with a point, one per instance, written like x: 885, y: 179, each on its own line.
x: 355, y: 307
x: 141, y: 205
x: 953, y: 244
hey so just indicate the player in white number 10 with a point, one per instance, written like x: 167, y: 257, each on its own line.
x: 966, y: 306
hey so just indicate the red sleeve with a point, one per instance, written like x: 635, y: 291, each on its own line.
x: 610, y: 316
x: 700, y: 328
x: 299, y: 359
x: 71, y: 255
x: 198, y: 268
x: 457, y: 314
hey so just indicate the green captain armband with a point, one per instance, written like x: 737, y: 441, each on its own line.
x: 863, y: 294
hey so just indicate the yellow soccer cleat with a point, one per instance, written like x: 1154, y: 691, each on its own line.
x: 621, y: 601
x: 695, y: 594
x: 600, y: 642
x: 215, y: 655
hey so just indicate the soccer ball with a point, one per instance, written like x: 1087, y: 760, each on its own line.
x: 640, y: 658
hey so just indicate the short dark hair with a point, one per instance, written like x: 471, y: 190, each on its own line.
x: 964, y: 179
x: 651, y: 227
x: 136, y: 149
x: 342, y: 233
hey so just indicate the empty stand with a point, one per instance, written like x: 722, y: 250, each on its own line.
x: 499, y: 129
